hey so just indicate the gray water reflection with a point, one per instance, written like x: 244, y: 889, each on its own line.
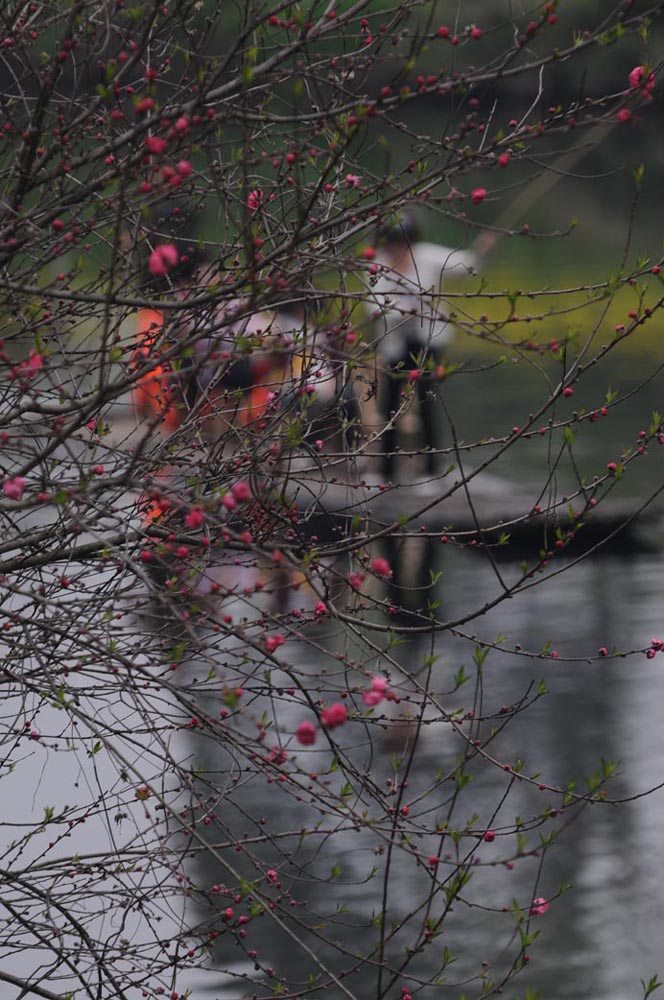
x: 603, y: 935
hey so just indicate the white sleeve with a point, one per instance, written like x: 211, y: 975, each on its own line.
x: 432, y: 261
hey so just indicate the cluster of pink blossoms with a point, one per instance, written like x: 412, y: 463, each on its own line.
x: 656, y: 646
x: 642, y: 79
x: 254, y: 201
x: 337, y: 714
x: 28, y: 368
x: 376, y: 692
x: 239, y: 493
x: 273, y: 642
x: 162, y: 259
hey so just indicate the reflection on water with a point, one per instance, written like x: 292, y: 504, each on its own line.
x: 602, y: 936
x: 317, y: 840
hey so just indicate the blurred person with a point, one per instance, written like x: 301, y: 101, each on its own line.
x: 411, y: 330
x: 163, y: 391
x: 320, y: 387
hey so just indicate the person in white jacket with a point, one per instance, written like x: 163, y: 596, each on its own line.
x: 411, y: 326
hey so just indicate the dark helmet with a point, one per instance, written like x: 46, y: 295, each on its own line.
x: 404, y: 229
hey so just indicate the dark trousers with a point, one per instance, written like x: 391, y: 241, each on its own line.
x: 393, y: 384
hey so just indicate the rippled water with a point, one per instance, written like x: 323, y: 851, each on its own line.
x: 604, y: 934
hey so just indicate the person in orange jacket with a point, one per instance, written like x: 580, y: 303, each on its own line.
x: 159, y: 392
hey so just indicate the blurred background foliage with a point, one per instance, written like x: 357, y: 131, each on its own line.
x: 595, y: 222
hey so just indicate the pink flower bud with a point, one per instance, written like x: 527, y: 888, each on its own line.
x: 273, y: 642
x: 162, y: 259
x: 381, y: 567
x: 13, y: 488
x: 156, y: 145
x: 254, y: 201
x: 195, y: 518
x: 306, y: 734
x: 334, y: 716
x: 241, y: 491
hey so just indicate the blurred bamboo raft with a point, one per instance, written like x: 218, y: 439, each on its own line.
x: 335, y: 501
x: 482, y: 510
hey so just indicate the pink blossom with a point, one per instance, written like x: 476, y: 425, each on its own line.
x: 271, y: 875
x: 376, y: 692
x: 184, y: 168
x: 155, y: 145
x: 182, y: 124
x: 623, y: 115
x: 195, y: 518
x: 352, y: 181
x: 35, y: 361
x: 641, y: 77
x: 478, y: 195
x: 356, y: 580
x: 635, y: 77
x: 306, y: 734
x: 381, y: 567
x: 13, y: 488
x: 333, y: 716
x: 241, y: 491
x: 162, y: 259
x: 320, y: 608
x: 145, y: 104
x: 273, y: 641
x: 539, y: 907
x: 254, y: 200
